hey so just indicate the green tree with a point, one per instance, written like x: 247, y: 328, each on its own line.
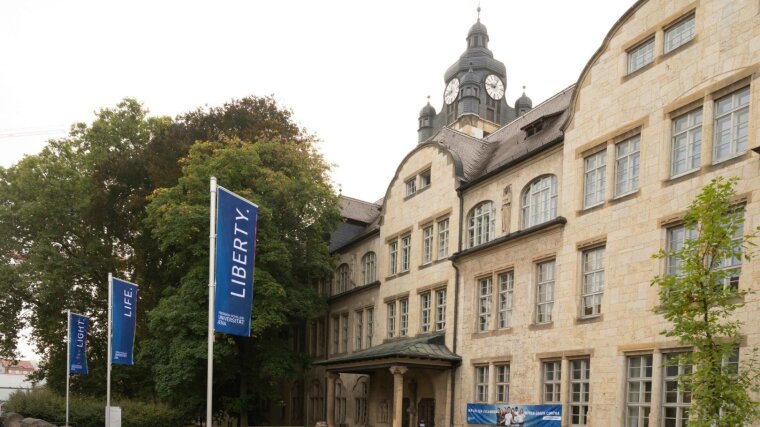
x: 288, y: 179
x: 699, y: 298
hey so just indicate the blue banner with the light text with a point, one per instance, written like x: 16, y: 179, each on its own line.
x: 235, y: 253
x: 78, y: 344
x: 123, y: 315
x: 514, y: 415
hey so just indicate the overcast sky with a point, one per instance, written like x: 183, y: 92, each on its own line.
x: 356, y: 73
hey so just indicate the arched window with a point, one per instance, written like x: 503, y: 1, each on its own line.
x: 316, y: 403
x: 539, y: 201
x: 340, y: 402
x: 368, y: 268
x: 481, y: 224
x: 341, y: 279
x: 361, y: 393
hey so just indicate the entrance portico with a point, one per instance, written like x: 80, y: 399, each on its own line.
x: 409, y: 381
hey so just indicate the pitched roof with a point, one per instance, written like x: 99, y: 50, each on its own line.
x: 429, y: 347
x: 360, y: 217
x: 358, y: 210
x: 471, y: 151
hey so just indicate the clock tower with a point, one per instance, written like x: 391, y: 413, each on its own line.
x: 473, y: 98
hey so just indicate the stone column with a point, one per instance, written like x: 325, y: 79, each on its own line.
x: 398, y: 394
x: 564, y: 390
x: 655, y: 413
x: 331, y: 377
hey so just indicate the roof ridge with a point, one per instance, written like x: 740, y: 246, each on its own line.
x: 359, y: 200
x: 481, y: 140
x: 541, y: 104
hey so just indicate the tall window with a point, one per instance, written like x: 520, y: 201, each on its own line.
x: 539, y: 201
x: 406, y: 252
x: 443, y: 238
x: 484, y: 304
x: 544, y: 291
x: 336, y: 334
x: 392, y: 258
x: 680, y: 33
x: 732, y: 265
x: 731, y: 125
x: 316, y: 402
x: 425, y: 179
x: 425, y: 311
x: 595, y: 167
x: 410, y: 186
x: 344, y: 332
x: 440, y: 309
x: 639, y: 391
x: 481, y: 224
x: 403, y: 317
x: 342, y: 278
x: 340, y: 402
x: 676, y: 395
x: 502, y: 383
x: 627, y: 166
x: 686, y: 143
x: 493, y: 109
x: 391, y: 319
x: 593, y: 281
x: 481, y: 383
x: 370, y: 325
x: 551, y: 381
x: 358, y: 329
x: 677, y: 236
x: 360, y: 404
x: 368, y: 268
x: 641, y: 55
x: 427, y: 245
x: 579, y: 391
x: 506, y: 290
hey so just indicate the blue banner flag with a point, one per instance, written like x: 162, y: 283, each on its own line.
x: 123, y: 314
x: 78, y: 344
x: 235, y: 250
x: 506, y: 414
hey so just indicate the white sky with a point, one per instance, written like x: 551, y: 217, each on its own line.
x: 356, y: 73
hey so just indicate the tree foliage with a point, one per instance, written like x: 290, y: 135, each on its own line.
x: 699, y: 298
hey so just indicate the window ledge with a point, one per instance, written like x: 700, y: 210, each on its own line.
x: 729, y: 160
x: 426, y: 265
x: 641, y: 70
x: 559, y: 221
x: 681, y: 177
x: 540, y: 326
x: 591, y: 208
x: 675, y: 50
x: 589, y: 319
x: 416, y: 192
x: 626, y: 196
x: 354, y: 290
x: 492, y: 333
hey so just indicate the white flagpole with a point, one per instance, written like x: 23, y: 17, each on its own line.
x: 68, y: 361
x: 211, y: 290
x: 108, y: 382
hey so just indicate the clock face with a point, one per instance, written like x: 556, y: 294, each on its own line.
x: 494, y: 87
x: 451, y: 92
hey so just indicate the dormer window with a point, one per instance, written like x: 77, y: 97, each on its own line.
x: 425, y: 179
x: 411, y: 187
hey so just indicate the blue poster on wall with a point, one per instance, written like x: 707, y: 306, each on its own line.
x: 514, y: 415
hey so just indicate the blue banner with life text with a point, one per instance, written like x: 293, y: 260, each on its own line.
x: 514, y: 415
x: 78, y: 344
x: 123, y: 315
x: 235, y: 254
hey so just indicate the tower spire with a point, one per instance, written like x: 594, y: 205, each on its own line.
x: 478, y: 10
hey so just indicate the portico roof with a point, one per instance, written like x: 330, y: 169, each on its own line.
x: 426, y: 351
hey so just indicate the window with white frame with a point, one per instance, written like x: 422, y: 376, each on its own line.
x: 580, y: 372
x: 403, y: 312
x: 426, y: 311
x: 370, y: 325
x: 732, y: 265
x: 641, y: 55
x: 427, y: 245
x: 484, y: 303
x: 627, y: 160
x: 368, y: 268
x: 678, y: 34
x: 539, y: 201
x: 342, y: 279
x: 506, y: 291
x: 481, y: 383
x: 425, y: 179
x: 410, y: 187
x: 731, y: 125
x: 595, y: 171
x: 392, y: 258
x: 358, y: 329
x: 502, y: 383
x: 481, y: 224
x: 677, y: 237
x: 440, y: 309
x: 552, y: 379
x: 686, y: 143
x: 544, y: 291
x: 406, y: 253
x: 391, y: 306
x: 344, y: 332
x: 443, y: 238
x: 593, y: 281
x: 676, y: 395
x: 638, y: 398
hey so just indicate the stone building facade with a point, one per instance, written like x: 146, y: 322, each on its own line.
x: 510, y: 258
